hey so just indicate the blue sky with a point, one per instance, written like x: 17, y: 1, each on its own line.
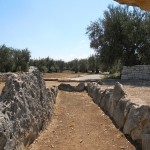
x: 54, y: 28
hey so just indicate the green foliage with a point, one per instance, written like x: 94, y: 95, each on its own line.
x: 92, y: 63
x: 73, y: 65
x: 83, y: 65
x: 48, y: 65
x: 122, y: 37
x: 43, y: 69
x: 13, y: 59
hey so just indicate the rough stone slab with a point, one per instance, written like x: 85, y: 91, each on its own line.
x: 121, y: 112
x: 67, y: 87
x: 131, y: 115
x: 137, y: 122
x: 26, y: 107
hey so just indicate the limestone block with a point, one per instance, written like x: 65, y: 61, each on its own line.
x: 89, y: 88
x: 96, y: 94
x: 137, y: 122
x: 121, y: 112
x: 100, y: 96
x: 117, y: 94
x: 26, y: 107
x: 105, y: 99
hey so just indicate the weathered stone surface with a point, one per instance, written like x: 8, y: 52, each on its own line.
x: 143, y: 4
x: 26, y: 106
x: 117, y: 94
x: 80, y: 87
x: 53, y: 93
x: 97, y: 94
x: 105, y: 100
x: 138, y: 72
x: 131, y: 116
x: 67, y: 87
x: 137, y: 122
x: 121, y: 112
x: 91, y: 86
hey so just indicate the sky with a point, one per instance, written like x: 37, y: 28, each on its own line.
x: 54, y: 28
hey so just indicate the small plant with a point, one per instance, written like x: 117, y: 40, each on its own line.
x: 115, y: 75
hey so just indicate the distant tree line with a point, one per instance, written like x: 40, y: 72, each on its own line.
x: 76, y: 65
x: 121, y: 37
x: 12, y: 60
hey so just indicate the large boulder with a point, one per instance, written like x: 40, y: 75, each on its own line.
x: 91, y: 86
x: 67, y: 87
x: 117, y: 94
x: 138, y: 122
x: 121, y: 112
x: 26, y: 107
x: 105, y: 99
x: 80, y: 87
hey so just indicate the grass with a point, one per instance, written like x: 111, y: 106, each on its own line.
x: 115, y: 75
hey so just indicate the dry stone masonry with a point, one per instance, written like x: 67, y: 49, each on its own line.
x: 26, y: 107
x: 132, y: 118
x: 140, y: 72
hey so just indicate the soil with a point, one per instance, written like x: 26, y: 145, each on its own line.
x: 79, y: 124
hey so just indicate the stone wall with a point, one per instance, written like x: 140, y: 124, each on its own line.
x: 141, y: 72
x: 26, y: 107
x: 130, y: 117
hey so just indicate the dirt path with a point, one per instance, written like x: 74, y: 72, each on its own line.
x: 79, y: 124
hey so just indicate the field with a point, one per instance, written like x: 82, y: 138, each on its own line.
x: 136, y: 90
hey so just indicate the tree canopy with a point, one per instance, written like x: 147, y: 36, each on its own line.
x: 13, y: 59
x: 121, y: 37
